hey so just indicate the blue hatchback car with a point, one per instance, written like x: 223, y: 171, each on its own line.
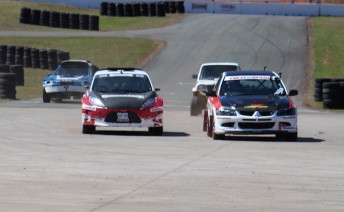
x: 68, y: 80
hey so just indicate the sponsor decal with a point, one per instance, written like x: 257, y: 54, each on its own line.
x: 87, y: 107
x: 228, y: 7
x: 156, y: 109
x: 199, y: 6
x: 122, y: 95
x: 227, y: 78
x: 252, y: 106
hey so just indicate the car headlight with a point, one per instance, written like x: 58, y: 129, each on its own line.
x: 149, y: 103
x: 225, y: 112
x: 287, y: 112
x: 96, y: 102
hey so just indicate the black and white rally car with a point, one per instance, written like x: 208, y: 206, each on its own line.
x: 251, y: 102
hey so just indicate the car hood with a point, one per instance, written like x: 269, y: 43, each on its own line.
x: 124, y: 100
x: 271, y: 102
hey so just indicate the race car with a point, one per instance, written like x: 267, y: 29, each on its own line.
x: 251, y: 102
x: 207, y: 76
x: 122, y: 97
x: 68, y: 80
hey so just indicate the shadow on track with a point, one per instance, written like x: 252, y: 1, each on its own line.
x: 139, y: 133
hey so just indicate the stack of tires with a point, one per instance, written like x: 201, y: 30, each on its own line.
x: 10, y: 76
x: 32, y: 57
x: 59, y: 19
x: 330, y: 92
x: 141, y: 8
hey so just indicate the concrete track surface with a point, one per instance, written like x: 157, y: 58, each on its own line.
x: 46, y: 164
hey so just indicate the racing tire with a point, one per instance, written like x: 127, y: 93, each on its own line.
x: 218, y: 136
x: 156, y: 130
x: 287, y: 136
x: 86, y: 129
x: 195, y: 110
x: 46, y: 97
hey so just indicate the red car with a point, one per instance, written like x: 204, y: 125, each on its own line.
x: 120, y: 97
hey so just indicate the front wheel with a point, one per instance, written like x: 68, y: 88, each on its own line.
x: 46, y: 96
x: 287, y: 136
x: 86, y: 129
x: 195, y: 109
x: 156, y: 130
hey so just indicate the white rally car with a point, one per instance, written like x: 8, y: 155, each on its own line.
x: 206, y: 78
x: 251, y: 102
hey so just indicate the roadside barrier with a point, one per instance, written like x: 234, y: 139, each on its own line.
x: 7, y: 85
x: 133, y: 9
x: 58, y: 19
x: 330, y: 92
x: 32, y: 57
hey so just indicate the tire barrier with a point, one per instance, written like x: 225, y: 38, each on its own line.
x: 331, y: 94
x: 74, y: 21
x: 7, y: 86
x: 25, y: 14
x: 43, y: 59
x: 144, y: 9
x: 111, y: 9
x: 35, y: 17
x: 141, y: 8
x: 4, y: 68
x: 45, y: 18
x: 64, y: 20
x: 61, y: 19
x: 10, y: 56
x: 31, y: 57
x: 18, y: 70
x: 103, y: 10
x: 19, y: 56
x: 3, y: 54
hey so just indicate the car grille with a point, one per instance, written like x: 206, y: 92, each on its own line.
x: 260, y: 125
x: 66, y: 83
x: 251, y: 112
x: 133, y: 118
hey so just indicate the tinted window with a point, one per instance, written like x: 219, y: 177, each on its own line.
x: 121, y: 83
x: 72, y: 69
x: 214, y: 71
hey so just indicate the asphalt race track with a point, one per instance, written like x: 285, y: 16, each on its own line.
x: 46, y: 164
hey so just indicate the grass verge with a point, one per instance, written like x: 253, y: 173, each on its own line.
x: 104, y: 52
x: 326, y: 50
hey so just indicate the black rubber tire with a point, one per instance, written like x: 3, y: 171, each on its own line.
x: 195, y: 109
x: 86, y: 129
x: 46, y: 97
x: 156, y: 130
x: 287, y: 136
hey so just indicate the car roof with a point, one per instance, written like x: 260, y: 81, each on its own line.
x: 220, y: 63
x: 79, y: 61
x: 121, y: 70
x: 251, y: 72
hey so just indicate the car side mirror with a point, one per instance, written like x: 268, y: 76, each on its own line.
x: 194, y: 76
x: 293, y: 93
x: 157, y: 89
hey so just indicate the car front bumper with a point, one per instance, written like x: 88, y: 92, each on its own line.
x: 255, y: 125
x: 102, y: 117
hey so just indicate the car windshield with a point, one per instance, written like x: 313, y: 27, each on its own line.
x: 212, y: 72
x: 246, y: 86
x: 108, y: 83
x: 71, y: 69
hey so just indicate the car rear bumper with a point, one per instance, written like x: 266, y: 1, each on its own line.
x: 64, y: 89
